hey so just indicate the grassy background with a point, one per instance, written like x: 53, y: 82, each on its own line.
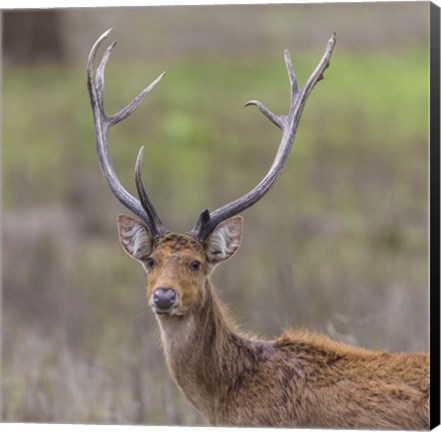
x: 338, y: 245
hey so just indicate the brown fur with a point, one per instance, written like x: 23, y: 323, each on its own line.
x: 300, y: 379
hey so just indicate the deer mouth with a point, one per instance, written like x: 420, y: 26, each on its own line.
x: 162, y: 312
x: 175, y: 310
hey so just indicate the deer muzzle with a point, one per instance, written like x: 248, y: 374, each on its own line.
x: 164, y: 300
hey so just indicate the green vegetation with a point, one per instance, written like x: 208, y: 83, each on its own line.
x: 373, y: 104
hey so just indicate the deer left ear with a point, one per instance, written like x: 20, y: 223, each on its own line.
x: 224, y: 240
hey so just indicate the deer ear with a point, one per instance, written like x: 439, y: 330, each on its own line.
x: 224, y: 240
x: 134, y: 237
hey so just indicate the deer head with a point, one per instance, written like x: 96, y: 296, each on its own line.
x: 178, y: 265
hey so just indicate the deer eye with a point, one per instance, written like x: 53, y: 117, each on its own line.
x: 195, y: 265
x: 151, y: 263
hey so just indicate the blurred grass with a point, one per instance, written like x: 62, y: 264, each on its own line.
x: 184, y: 118
x: 341, y: 239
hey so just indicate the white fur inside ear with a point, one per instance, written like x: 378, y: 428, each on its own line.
x: 134, y: 237
x: 224, y: 240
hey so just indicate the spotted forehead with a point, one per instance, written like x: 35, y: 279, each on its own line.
x: 179, y: 242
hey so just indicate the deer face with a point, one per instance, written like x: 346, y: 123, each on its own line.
x: 177, y: 265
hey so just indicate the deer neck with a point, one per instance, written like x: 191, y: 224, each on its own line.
x: 205, y: 353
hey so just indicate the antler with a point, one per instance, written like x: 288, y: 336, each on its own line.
x: 143, y: 207
x: 208, y: 221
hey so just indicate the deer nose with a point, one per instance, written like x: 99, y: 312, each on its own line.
x: 164, y: 298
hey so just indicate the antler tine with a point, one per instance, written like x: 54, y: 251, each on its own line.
x: 145, y: 201
x: 142, y: 208
x: 277, y: 120
x: 207, y: 221
x: 292, y: 76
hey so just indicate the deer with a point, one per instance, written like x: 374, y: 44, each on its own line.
x: 300, y: 379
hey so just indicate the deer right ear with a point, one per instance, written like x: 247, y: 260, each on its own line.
x: 134, y: 238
